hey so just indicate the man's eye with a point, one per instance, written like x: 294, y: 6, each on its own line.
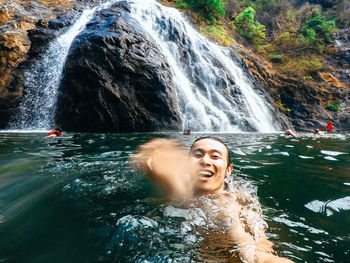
x: 198, y: 155
x: 215, y: 156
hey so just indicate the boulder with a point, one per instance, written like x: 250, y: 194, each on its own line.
x: 116, y: 79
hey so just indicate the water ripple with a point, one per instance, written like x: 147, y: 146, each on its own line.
x: 329, y: 207
x: 283, y: 219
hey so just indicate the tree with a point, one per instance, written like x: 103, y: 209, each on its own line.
x: 248, y: 27
x: 317, y: 29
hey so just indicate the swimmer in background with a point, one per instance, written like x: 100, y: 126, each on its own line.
x: 291, y: 133
x: 55, y: 133
x: 201, y: 172
x: 187, y: 132
x: 319, y: 132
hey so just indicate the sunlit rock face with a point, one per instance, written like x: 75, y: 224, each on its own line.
x: 17, y: 20
x: 116, y: 79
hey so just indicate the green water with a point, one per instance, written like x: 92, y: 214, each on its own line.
x: 75, y: 198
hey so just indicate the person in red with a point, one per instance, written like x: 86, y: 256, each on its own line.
x: 56, y: 132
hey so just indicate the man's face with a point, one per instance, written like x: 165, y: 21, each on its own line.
x: 208, y: 159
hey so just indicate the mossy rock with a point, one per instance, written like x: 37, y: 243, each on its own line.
x: 275, y: 58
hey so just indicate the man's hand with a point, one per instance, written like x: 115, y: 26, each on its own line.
x: 166, y: 163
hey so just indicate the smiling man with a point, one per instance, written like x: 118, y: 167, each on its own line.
x: 201, y: 172
x: 210, y: 163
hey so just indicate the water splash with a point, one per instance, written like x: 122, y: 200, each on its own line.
x: 214, y: 93
x: 42, y: 80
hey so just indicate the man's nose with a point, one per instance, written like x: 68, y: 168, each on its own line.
x: 205, y: 160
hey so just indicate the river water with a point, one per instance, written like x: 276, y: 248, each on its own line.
x: 76, y: 199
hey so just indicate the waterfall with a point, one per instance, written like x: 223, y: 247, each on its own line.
x: 214, y: 94
x: 42, y: 80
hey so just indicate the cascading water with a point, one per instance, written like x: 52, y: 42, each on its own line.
x: 38, y: 106
x: 213, y: 92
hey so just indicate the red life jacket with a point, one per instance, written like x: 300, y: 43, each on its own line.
x: 54, y: 132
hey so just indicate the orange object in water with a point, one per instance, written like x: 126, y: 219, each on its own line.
x: 54, y: 133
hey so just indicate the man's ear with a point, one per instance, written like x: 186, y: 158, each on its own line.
x: 229, y: 170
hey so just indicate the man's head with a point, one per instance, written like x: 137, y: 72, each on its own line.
x: 211, y: 162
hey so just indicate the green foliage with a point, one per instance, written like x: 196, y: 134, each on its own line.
x: 333, y: 107
x: 181, y: 4
x: 317, y: 29
x: 291, y: 15
x: 276, y: 58
x: 304, y: 65
x: 257, y: 4
x: 248, y: 27
x: 207, y: 9
x: 217, y: 32
x: 268, y: 48
x: 308, y: 77
x: 280, y: 105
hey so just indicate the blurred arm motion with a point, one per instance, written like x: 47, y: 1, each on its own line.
x: 166, y: 164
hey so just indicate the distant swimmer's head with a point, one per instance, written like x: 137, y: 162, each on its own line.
x: 211, y: 162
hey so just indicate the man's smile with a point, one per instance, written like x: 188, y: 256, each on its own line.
x: 206, y: 173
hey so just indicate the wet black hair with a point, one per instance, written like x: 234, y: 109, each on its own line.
x: 218, y: 140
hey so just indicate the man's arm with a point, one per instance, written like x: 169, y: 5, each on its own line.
x: 252, y: 251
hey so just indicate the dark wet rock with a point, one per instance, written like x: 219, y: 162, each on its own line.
x: 340, y: 61
x: 44, y: 32
x: 62, y: 21
x: 116, y: 79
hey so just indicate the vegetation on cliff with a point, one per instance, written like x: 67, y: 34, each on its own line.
x: 296, y: 35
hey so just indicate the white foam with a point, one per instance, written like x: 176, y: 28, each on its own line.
x: 330, y: 158
x: 329, y: 207
x: 332, y: 153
